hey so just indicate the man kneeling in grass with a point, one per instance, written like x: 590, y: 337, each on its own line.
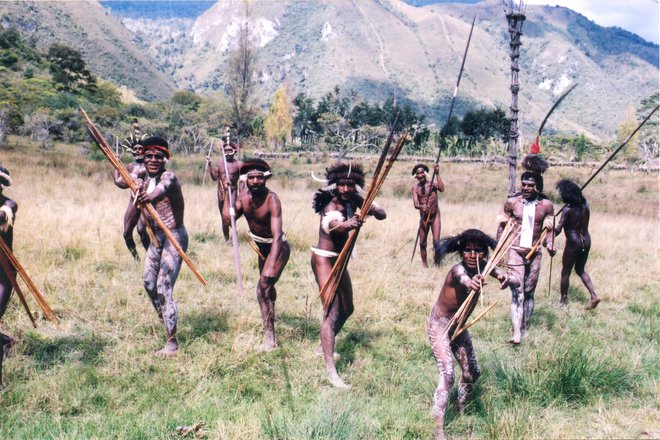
x: 263, y: 212
x: 463, y: 277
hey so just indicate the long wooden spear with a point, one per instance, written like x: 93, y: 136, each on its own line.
x: 232, y: 217
x: 21, y: 296
x: 443, y: 135
x: 123, y: 172
x: 329, y: 289
x: 38, y: 296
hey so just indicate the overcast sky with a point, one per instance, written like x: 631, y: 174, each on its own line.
x: 640, y: 17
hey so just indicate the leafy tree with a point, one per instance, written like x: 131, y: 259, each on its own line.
x: 580, y: 146
x: 68, y: 69
x: 628, y: 124
x: 279, y: 123
x: 305, y: 122
x: 240, y: 87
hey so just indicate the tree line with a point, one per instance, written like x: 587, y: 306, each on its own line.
x: 41, y: 94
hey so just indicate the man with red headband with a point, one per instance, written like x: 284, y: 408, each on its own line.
x: 425, y: 199
x: 226, y: 182
x: 337, y: 204
x: 533, y: 213
x: 263, y: 212
x: 8, y: 209
x: 162, y: 262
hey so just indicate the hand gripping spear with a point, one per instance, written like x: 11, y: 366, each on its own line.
x: 232, y: 216
x: 123, y: 172
x: 424, y: 221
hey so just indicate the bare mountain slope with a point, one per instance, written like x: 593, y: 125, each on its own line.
x: 387, y: 47
x: 106, y: 45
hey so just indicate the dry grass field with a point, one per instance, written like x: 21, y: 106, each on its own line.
x: 579, y: 374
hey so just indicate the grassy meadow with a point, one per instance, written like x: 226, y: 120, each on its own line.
x: 578, y: 374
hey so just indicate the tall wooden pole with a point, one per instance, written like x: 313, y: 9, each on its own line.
x: 515, y: 15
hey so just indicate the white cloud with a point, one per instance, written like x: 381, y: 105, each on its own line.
x: 640, y: 17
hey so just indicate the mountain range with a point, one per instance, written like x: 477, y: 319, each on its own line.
x: 379, y: 48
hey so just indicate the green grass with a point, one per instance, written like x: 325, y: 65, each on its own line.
x: 579, y: 374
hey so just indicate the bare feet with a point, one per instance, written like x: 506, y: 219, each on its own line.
x: 336, y: 381
x: 514, y: 341
x: 171, y: 349
x: 592, y: 304
x: 563, y: 301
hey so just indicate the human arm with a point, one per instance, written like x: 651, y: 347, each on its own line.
x: 560, y: 223
x: 7, y: 213
x: 508, y: 213
x: 504, y: 278
x: 438, y: 184
x: 213, y: 171
x: 416, y: 202
x: 548, y: 224
x: 167, y: 182
x: 275, y: 209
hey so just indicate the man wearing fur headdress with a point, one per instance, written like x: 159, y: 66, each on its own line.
x: 132, y: 217
x: 472, y: 245
x: 337, y: 204
x: 425, y: 199
x: 226, y: 182
x: 8, y: 209
x: 162, y: 263
x: 533, y: 213
x: 263, y: 212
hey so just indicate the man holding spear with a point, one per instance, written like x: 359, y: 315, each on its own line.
x: 464, y: 277
x: 227, y: 181
x: 263, y: 212
x: 337, y: 205
x: 534, y: 214
x: 163, y: 262
x: 425, y: 199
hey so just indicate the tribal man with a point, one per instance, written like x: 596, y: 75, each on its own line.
x: 575, y: 222
x: 226, y: 182
x: 472, y: 245
x: 425, y: 199
x: 263, y: 212
x: 336, y: 205
x: 7, y: 215
x: 162, y: 262
x: 132, y: 216
x: 533, y: 213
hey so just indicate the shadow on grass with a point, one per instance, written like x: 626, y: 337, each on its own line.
x: 48, y: 352
x: 197, y: 325
x: 545, y: 317
x: 304, y: 328
x: 353, y: 340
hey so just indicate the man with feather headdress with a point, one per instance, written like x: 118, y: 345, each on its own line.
x: 133, y: 144
x: 337, y: 204
x: 533, y: 213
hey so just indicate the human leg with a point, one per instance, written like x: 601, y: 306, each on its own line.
x: 532, y: 272
x: 467, y: 358
x: 151, y: 268
x: 442, y: 353
x: 436, y: 226
x: 580, y: 263
x: 225, y: 219
x: 517, y: 270
x: 423, y: 236
x: 266, y: 292
x: 5, y: 292
x: 170, y: 265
